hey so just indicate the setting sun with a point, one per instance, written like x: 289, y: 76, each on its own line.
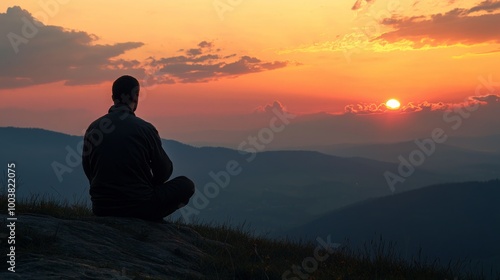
x: 392, y: 104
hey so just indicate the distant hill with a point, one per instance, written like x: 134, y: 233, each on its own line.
x: 449, y: 221
x: 463, y: 158
x: 275, y: 190
x: 488, y: 143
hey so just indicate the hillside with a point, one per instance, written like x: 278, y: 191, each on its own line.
x: 458, y: 220
x: 87, y: 247
x: 104, y: 248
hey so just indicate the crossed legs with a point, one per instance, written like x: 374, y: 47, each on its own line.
x: 170, y: 196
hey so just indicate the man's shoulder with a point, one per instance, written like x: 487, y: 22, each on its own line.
x: 144, y: 123
x: 130, y: 120
x: 144, y: 126
x: 96, y: 123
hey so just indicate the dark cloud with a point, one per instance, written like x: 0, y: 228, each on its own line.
x: 488, y: 6
x: 205, y: 45
x: 32, y: 53
x: 204, y: 64
x: 457, y: 26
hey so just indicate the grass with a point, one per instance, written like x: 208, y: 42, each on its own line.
x: 253, y: 257
x: 248, y: 256
x: 46, y: 205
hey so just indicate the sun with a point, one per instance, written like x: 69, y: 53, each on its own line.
x: 392, y: 104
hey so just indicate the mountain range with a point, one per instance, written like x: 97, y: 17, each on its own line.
x: 274, y: 191
x: 446, y: 221
x: 341, y: 192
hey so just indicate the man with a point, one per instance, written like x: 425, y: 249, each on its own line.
x: 126, y: 165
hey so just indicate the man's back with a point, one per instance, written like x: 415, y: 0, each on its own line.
x: 126, y: 166
x: 123, y: 159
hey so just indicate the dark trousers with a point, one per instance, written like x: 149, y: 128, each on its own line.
x: 171, y: 196
x: 166, y: 199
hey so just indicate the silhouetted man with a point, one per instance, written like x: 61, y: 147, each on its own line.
x: 126, y: 164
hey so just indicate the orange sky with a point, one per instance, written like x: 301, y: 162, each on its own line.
x: 230, y: 57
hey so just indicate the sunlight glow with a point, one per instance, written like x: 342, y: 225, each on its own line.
x: 392, y: 104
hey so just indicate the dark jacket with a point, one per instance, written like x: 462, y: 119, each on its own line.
x: 123, y: 159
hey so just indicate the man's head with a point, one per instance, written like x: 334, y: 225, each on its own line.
x: 126, y: 91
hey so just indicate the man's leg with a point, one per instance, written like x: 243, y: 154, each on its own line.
x: 172, y: 195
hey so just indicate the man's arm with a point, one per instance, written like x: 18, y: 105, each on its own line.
x: 161, y: 165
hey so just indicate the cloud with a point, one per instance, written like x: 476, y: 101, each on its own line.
x: 359, y: 4
x: 365, y: 108
x: 476, y: 54
x: 487, y: 6
x: 425, y: 106
x: 488, y: 99
x: 458, y: 26
x: 488, y: 52
x: 32, y: 53
x: 204, y: 63
x: 269, y: 108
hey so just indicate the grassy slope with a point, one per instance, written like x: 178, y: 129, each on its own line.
x: 253, y: 257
